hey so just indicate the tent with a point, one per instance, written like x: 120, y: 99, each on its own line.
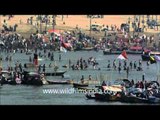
x: 55, y: 31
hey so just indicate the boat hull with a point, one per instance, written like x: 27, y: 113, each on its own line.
x: 54, y: 73
x: 76, y: 85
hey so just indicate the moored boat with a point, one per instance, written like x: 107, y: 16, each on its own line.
x: 80, y: 85
x: 146, y: 56
x: 32, y: 78
x: 110, y: 52
x: 134, y: 99
x: 59, y: 82
x: 57, y: 73
x: 29, y: 65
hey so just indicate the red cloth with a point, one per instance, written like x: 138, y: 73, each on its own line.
x: 124, y: 54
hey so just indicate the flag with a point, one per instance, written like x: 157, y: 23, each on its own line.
x: 123, y: 55
x: 35, y: 59
x: 157, y: 58
x: 152, y: 60
x: 66, y: 45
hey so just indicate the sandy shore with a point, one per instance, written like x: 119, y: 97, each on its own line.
x: 70, y: 22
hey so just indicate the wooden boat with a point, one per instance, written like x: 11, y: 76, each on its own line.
x: 119, y: 52
x: 59, y: 82
x: 86, y: 89
x: 76, y: 85
x: 152, y: 53
x: 6, y: 74
x: 32, y: 78
x: 110, y: 52
x: 133, y: 99
x: 102, y: 97
x: 153, y: 99
x: 91, y: 82
x: 109, y: 93
x: 84, y: 49
x: 134, y: 51
x: 28, y: 53
x: 107, y: 97
x: 146, y: 56
x: 89, y: 96
x: 58, y: 73
x: 29, y: 65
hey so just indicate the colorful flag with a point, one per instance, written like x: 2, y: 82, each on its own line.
x: 123, y: 55
x: 157, y: 58
x: 152, y: 60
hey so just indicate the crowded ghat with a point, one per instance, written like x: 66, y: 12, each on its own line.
x: 109, y: 62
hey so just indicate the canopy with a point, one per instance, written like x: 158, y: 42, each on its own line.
x: 56, y: 31
x: 112, y: 88
x: 136, y: 48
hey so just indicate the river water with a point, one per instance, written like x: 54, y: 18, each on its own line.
x: 34, y: 95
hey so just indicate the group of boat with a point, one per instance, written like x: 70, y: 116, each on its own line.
x: 146, y: 55
x: 132, y: 50
x: 121, y: 90
x: 30, y: 78
x: 128, y: 94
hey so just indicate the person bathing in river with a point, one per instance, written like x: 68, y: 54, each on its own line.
x: 109, y: 65
x: 114, y: 64
x: 50, y: 65
x: 135, y: 65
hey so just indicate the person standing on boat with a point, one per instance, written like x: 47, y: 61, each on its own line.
x: 103, y: 83
x: 82, y: 79
x: 50, y: 65
x: 89, y: 78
